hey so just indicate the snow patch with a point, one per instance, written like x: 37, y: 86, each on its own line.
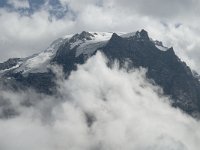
x: 162, y: 48
x: 159, y: 45
x: 87, y: 47
x: 40, y: 62
x: 76, y: 44
x: 14, y: 67
x: 127, y: 35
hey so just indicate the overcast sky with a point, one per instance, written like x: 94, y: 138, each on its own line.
x: 29, y: 26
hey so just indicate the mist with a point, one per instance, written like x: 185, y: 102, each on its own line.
x: 96, y: 108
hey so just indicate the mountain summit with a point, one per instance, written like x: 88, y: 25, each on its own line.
x: 164, y: 68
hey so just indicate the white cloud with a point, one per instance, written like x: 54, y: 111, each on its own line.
x: 127, y: 112
x: 22, y: 35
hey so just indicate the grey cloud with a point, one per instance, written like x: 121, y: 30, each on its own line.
x: 154, y: 8
x: 22, y: 35
x: 160, y: 8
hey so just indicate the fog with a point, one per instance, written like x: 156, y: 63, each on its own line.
x: 97, y: 108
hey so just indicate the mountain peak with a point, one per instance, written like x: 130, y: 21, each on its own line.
x: 165, y: 68
x: 115, y: 36
x: 82, y: 36
x: 142, y: 35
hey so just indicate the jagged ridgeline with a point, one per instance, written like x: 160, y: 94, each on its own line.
x: 164, y: 67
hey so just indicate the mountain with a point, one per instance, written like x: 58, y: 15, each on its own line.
x: 164, y: 68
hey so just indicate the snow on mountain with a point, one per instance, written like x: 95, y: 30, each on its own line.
x: 98, y: 39
x: 127, y: 35
x: 39, y: 62
x: 84, y: 43
x: 160, y: 46
x: 14, y: 67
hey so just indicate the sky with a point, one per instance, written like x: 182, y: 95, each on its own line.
x: 29, y: 26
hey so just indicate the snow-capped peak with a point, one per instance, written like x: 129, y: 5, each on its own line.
x: 85, y: 43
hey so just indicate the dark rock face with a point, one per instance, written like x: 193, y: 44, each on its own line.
x: 66, y: 58
x: 164, y: 67
x: 40, y: 82
x: 9, y: 63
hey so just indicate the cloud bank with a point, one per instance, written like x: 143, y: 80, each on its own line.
x: 98, y: 108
